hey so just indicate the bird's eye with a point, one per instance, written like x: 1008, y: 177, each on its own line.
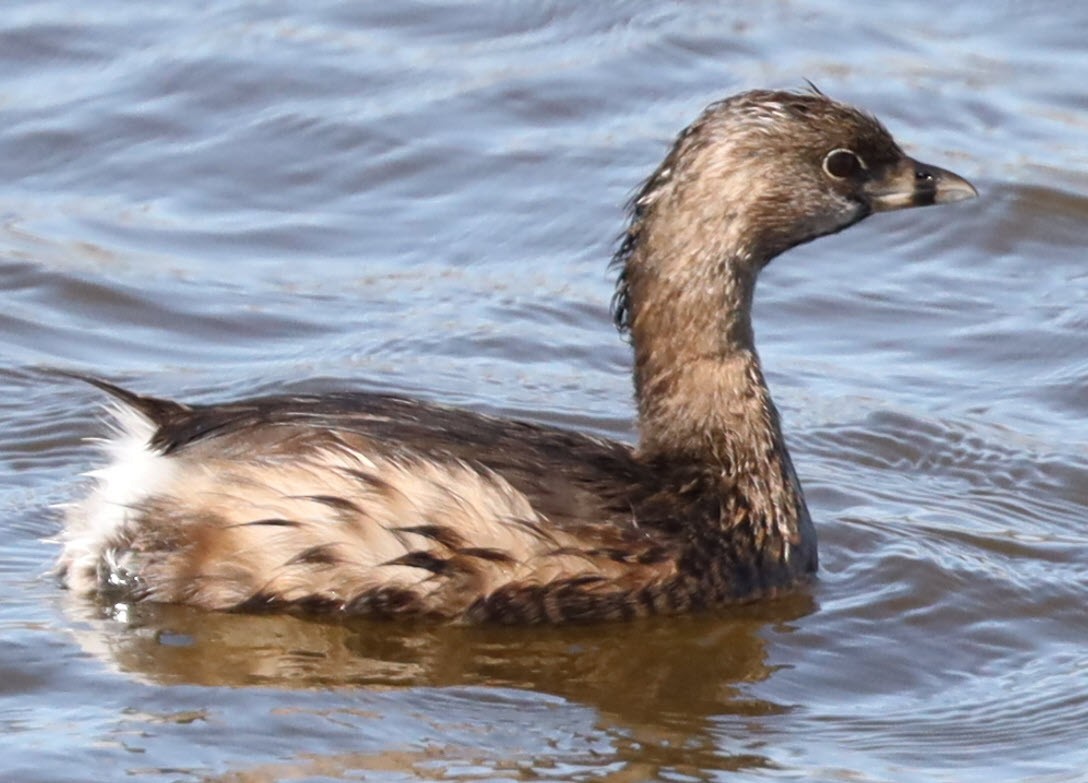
x: 841, y: 164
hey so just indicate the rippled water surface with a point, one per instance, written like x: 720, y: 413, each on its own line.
x: 212, y: 199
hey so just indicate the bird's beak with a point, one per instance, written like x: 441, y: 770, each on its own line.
x: 913, y: 184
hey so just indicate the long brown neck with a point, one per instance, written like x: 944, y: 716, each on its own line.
x: 703, y: 400
x: 698, y: 381
x: 702, y: 228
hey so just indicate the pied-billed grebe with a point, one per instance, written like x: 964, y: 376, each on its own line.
x: 370, y: 504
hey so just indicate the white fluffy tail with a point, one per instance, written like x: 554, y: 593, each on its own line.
x: 96, y: 528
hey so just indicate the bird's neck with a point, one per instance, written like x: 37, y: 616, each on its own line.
x: 703, y: 402
x: 698, y: 381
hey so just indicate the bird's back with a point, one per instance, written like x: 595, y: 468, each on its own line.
x: 365, y: 503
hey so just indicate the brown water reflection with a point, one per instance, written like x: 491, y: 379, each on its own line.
x: 656, y: 687
x: 661, y: 672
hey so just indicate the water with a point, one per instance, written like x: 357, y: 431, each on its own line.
x: 213, y: 199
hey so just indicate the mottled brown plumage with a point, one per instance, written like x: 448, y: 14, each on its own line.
x: 366, y: 503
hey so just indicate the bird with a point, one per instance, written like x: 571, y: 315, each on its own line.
x: 369, y: 504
